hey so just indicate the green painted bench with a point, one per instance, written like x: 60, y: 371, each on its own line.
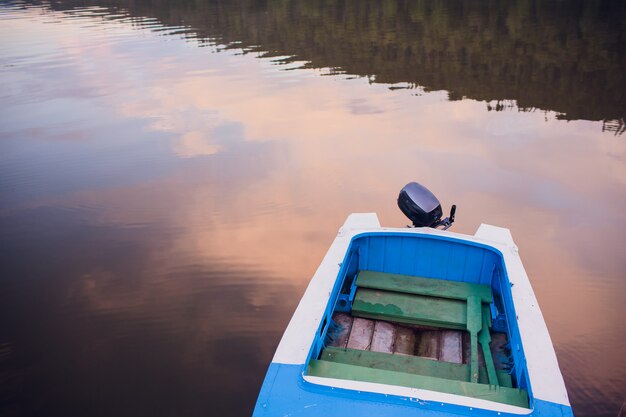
x: 410, y: 309
x: 432, y: 287
x: 500, y: 394
x: 410, y: 364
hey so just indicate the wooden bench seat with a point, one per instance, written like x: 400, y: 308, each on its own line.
x: 410, y: 364
x: 423, y: 286
x: 504, y: 395
x: 410, y: 309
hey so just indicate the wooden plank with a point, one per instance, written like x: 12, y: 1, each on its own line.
x: 486, y: 314
x: 428, y: 344
x: 408, y: 308
x: 423, y: 286
x: 405, y: 341
x: 410, y: 364
x: 451, y: 349
x: 484, y: 337
x: 383, y: 337
x: 474, y: 324
x: 399, y: 363
x: 481, y: 358
x: 512, y: 396
x: 341, y: 329
x: 474, y: 315
x: 504, y: 379
x: 361, y: 334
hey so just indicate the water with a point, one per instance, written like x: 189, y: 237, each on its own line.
x: 172, y: 173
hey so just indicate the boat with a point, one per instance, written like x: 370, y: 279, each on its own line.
x: 416, y: 321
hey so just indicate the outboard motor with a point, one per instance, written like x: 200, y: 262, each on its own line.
x: 422, y: 207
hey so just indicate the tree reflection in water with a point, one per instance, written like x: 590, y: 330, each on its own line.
x: 567, y: 57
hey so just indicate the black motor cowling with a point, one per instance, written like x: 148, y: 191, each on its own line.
x: 422, y: 207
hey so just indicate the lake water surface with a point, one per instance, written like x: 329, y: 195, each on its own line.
x: 172, y: 173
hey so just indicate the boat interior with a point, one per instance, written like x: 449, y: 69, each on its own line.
x: 423, y: 311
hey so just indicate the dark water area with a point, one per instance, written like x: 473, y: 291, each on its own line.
x: 172, y: 173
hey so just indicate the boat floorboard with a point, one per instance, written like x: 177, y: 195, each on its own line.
x: 424, y: 343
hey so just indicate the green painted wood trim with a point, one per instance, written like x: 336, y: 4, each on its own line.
x: 408, y: 320
x: 409, y: 308
x: 504, y: 379
x: 423, y: 286
x: 511, y: 396
x: 474, y: 324
x: 409, y: 364
x: 474, y: 315
x: 486, y: 314
x: 398, y: 363
x: 485, y: 337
